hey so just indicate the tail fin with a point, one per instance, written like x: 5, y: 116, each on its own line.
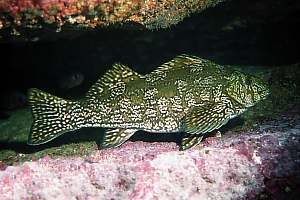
x: 51, y: 117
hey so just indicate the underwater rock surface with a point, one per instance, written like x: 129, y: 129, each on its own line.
x: 235, y: 166
x: 38, y: 14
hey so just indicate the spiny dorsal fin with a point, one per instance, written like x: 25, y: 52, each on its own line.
x: 113, y: 79
x: 179, y: 62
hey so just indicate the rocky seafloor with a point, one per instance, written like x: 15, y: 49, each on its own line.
x: 263, y: 163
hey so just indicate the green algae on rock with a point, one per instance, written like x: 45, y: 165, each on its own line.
x: 187, y: 94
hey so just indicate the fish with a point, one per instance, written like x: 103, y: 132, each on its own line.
x: 71, y: 80
x: 188, y: 94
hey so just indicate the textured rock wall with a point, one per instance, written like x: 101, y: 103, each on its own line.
x: 152, y: 14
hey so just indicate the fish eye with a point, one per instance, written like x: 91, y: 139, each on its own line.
x: 248, y: 81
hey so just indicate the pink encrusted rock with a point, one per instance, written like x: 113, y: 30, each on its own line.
x: 236, y: 166
x: 37, y: 14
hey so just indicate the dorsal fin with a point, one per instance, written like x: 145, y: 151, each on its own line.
x: 116, y: 77
x: 179, y: 62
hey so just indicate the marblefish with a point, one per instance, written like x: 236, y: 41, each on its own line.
x: 187, y: 94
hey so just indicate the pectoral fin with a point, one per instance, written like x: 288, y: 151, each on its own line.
x: 116, y: 137
x: 207, y: 118
x: 203, y: 120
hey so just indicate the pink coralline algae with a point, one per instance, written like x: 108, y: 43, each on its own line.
x: 92, y: 13
x: 236, y: 166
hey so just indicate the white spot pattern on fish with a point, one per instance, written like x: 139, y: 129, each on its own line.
x: 186, y: 94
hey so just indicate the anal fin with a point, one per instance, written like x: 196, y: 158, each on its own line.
x: 116, y: 137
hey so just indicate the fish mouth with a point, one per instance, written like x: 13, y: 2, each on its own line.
x: 262, y: 95
x: 265, y: 93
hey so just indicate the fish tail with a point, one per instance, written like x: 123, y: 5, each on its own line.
x: 51, y: 116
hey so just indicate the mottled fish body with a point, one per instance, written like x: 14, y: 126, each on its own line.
x: 187, y: 94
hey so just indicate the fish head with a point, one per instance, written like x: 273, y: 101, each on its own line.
x: 246, y: 89
x: 259, y: 88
